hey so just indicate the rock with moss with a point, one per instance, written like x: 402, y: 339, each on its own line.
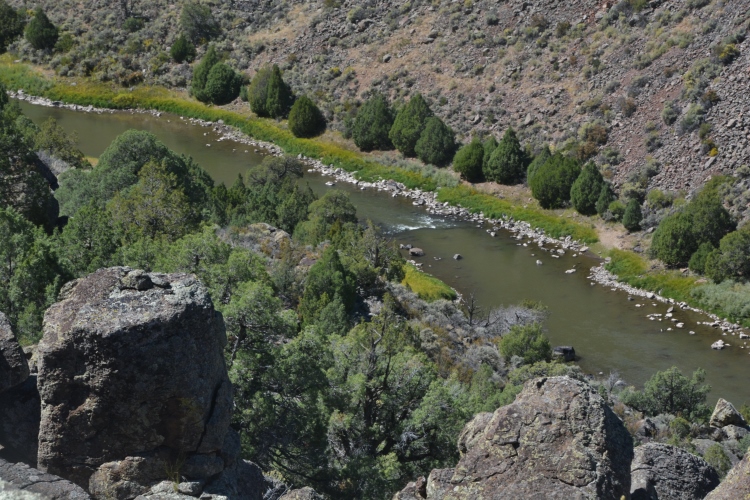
x: 131, y: 369
x: 665, y: 472
x: 557, y: 440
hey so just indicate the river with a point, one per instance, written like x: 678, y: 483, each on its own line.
x: 608, y: 331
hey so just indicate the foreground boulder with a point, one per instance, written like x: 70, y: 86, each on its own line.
x: 132, y: 382
x: 736, y: 486
x: 27, y: 482
x: 14, y: 369
x: 557, y: 440
x: 664, y: 472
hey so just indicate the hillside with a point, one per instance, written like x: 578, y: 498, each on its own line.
x: 593, y: 76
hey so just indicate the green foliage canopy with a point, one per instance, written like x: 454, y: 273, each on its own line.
x: 40, y: 32
x: 198, y: 23
x: 553, y: 181
x: 409, y: 123
x: 468, y: 161
x: 671, y: 392
x: 182, y: 49
x: 437, y: 143
x: 587, y: 189
x: 11, y: 25
x: 372, y: 124
x: 305, y: 119
x: 507, y: 164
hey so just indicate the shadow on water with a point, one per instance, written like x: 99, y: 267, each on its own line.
x: 608, y: 331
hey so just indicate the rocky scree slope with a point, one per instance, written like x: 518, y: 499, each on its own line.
x: 548, y: 67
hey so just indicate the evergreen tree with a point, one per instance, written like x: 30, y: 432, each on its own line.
x: 11, y: 25
x: 200, y: 74
x: 372, y: 124
x: 409, y: 124
x: 674, y: 242
x: 182, y: 50
x: 437, y: 143
x: 468, y: 161
x: 222, y: 84
x: 326, y: 281
x: 507, y: 165
x: 279, y: 96
x: 257, y: 91
x: 538, y: 161
x: 606, y: 196
x: 552, y: 182
x: 489, y: 147
x: 632, y: 217
x: 732, y: 259
x: 587, y: 189
x: 699, y: 258
x: 40, y: 32
x: 305, y: 119
x: 198, y: 23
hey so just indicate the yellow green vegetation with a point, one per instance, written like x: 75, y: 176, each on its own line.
x: 425, y: 286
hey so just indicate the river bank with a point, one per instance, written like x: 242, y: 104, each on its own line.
x: 460, y: 202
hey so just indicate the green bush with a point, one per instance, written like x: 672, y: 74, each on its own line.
x: 732, y: 259
x: 468, y: 161
x: 698, y: 260
x: 182, y: 50
x: 671, y: 392
x: 40, y: 32
x: 489, y: 145
x: 606, y: 197
x: 279, y: 96
x: 222, y: 85
x: 632, y: 217
x: 553, y: 181
x: 679, y: 428
x: 133, y: 24
x: 200, y: 74
x: 507, y: 164
x: 586, y: 189
x: 537, y: 162
x: 527, y: 342
x: 718, y: 459
x: 198, y: 23
x: 305, y: 119
x: 372, y: 124
x: 617, y: 209
x: 674, y: 242
x: 670, y: 113
x: 409, y: 124
x: 11, y: 25
x: 436, y: 143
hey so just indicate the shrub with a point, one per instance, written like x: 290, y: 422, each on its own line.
x: 507, y: 164
x: 133, y: 24
x: 222, y: 85
x: 527, y: 342
x: 40, y: 32
x: 372, y: 124
x: 670, y: 113
x: 632, y: 217
x: 200, y: 74
x: 537, y: 162
x: 679, y: 428
x: 11, y: 25
x: 586, y: 189
x: 437, y: 143
x: 198, y: 23
x: 305, y: 119
x: 718, y: 459
x: 606, y: 197
x: 697, y: 262
x: 552, y: 183
x: 489, y: 145
x: 732, y: 259
x: 728, y: 53
x: 671, y: 392
x: 616, y: 210
x: 657, y: 199
x: 468, y: 161
x: 409, y: 124
x: 693, y: 118
x: 182, y: 50
x: 268, y: 94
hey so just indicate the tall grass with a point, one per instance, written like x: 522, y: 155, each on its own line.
x: 427, y: 287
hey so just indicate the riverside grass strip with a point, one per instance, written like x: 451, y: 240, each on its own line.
x: 427, y: 287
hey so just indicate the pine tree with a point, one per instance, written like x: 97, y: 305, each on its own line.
x: 279, y: 98
x: 606, y: 197
x: 182, y: 50
x: 198, y: 23
x: 468, y: 161
x: 538, y: 161
x: 222, y: 84
x: 489, y: 146
x: 587, y: 189
x: 633, y: 216
x: 372, y: 124
x: 437, y: 143
x: 552, y: 182
x: 409, y: 124
x: 11, y: 25
x: 200, y: 74
x: 40, y: 32
x: 257, y: 91
x: 507, y: 165
x: 305, y: 119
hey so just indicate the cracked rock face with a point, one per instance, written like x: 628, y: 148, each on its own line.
x: 736, y: 486
x: 14, y: 369
x: 558, y: 440
x: 131, y: 365
x: 665, y: 472
x: 26, y: 483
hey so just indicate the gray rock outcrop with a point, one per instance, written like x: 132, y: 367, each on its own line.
x: 36, y: 484
x: 736, y: 486
x: 664, y: 472
x: 14, y: 369
x: 306, y: 493
x: 557, y: 440
x: 726, y: 414
x: 132, y: 377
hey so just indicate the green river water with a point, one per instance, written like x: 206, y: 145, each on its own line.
x: 608, y: 331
